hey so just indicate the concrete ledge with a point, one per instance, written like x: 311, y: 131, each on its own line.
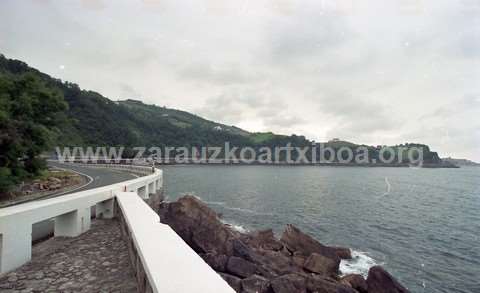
x: 163, y: 261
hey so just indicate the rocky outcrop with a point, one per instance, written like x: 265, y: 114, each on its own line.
x: 355, y: 281
x: 317, y: 263
x: 296, y: 240
x: 380, y: 281
x: 260, y: 262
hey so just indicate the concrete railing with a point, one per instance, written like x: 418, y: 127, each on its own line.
x: 163, y: 262
x: 72, y: 214
x: 142, y: 170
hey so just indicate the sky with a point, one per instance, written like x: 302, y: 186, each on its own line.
x: 375, y: 72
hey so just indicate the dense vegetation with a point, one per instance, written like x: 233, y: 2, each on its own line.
x: 38, y: 112
x: 30, y: 112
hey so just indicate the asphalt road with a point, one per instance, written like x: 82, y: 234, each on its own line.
x: 100, y: 176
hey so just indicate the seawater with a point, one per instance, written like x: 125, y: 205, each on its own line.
x: 422, y: 225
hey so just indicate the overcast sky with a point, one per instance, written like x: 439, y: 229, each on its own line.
x: 376, y: 72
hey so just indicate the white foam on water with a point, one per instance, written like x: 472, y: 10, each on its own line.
x: 238, y: 228
x: 359, y: 264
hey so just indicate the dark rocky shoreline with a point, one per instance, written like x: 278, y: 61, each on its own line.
x: 260, y: 262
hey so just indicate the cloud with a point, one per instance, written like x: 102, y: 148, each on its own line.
x: 129, y: 92
x: 236, y: 106
x: 356, y: 117
x: 379, y: 72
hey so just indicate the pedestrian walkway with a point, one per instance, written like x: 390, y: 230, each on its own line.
x: 96, y: 261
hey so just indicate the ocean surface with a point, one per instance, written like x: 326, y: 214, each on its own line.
x: 423, y: 225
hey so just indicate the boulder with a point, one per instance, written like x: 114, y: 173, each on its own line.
x: 276, y: 263
x: 55, y: 179
x: 54, y: 186
x: 316, y: 283
x: 299, y: 259
x: 297, y: 241
x: 264, y: 239
x: 355, y: 281
x: 198, y: 225
x: 218, y: 262
x: 240, y: 267
x: 380, y: 281
x: 240, y: 249
x: 234, y: 282
x: 343, y: 252
x: 259, y: 262
x: 317, y: 263
x: 255, y: 284
x: 289, y: 283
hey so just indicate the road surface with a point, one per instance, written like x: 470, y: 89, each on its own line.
x: 99, y: 176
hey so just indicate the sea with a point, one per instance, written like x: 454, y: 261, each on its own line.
x: 422, y: 225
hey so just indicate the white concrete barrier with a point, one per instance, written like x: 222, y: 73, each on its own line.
x: 142, y: 170
x: 72, y: 215
x: 169, y: 264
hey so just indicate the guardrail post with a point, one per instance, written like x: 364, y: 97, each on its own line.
x: 15, y: 246
x: 143, y: 191
x: 151, y: 188
x: 73, y: 224
x: 104, y: 209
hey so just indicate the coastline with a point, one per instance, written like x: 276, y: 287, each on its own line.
x: 258, y: 261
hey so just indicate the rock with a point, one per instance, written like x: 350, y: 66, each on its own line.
x: 198, y: 225
x: 39, y: 275
x: 233, y: 281
x: 218, y: 262
x: 380, y: 281
x: 275, y: 263
x: 299, y: 259
x: 355, y: 281
x: 259, y: 262
x: 54, y: 179
x: 264, y: 239
x: 289, y: 283
x: 240, y: 267
x: 242, y: 250
x: 53, y: 186
x: 320, y: 264
x: 300, y: 242
x: 255, y: 284
x: 316, y: 283
x: 343, y: 252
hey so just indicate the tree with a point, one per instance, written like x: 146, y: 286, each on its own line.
x: 29, y: 116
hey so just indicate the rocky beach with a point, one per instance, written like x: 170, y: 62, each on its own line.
x: 260, y: 262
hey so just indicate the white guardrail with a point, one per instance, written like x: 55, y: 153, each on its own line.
x: 168, y: 263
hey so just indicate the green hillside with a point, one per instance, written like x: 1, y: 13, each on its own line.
x: 93, y: 119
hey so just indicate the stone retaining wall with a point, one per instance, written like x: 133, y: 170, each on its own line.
x: 143, y: 284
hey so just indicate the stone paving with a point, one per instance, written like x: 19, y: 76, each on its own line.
x: 96, y: 261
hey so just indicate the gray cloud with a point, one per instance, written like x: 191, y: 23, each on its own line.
x: 380, y: 72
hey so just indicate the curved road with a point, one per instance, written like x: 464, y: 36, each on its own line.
x: 100, y: 177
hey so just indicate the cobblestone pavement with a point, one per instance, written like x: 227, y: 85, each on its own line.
x: 96, y: 261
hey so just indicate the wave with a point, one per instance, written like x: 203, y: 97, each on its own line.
x: 359, y: 264
x: 236, y: 227
x: 242, y: 210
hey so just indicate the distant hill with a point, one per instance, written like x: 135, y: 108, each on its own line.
x: 94, y: 120
x: 460, y: 162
